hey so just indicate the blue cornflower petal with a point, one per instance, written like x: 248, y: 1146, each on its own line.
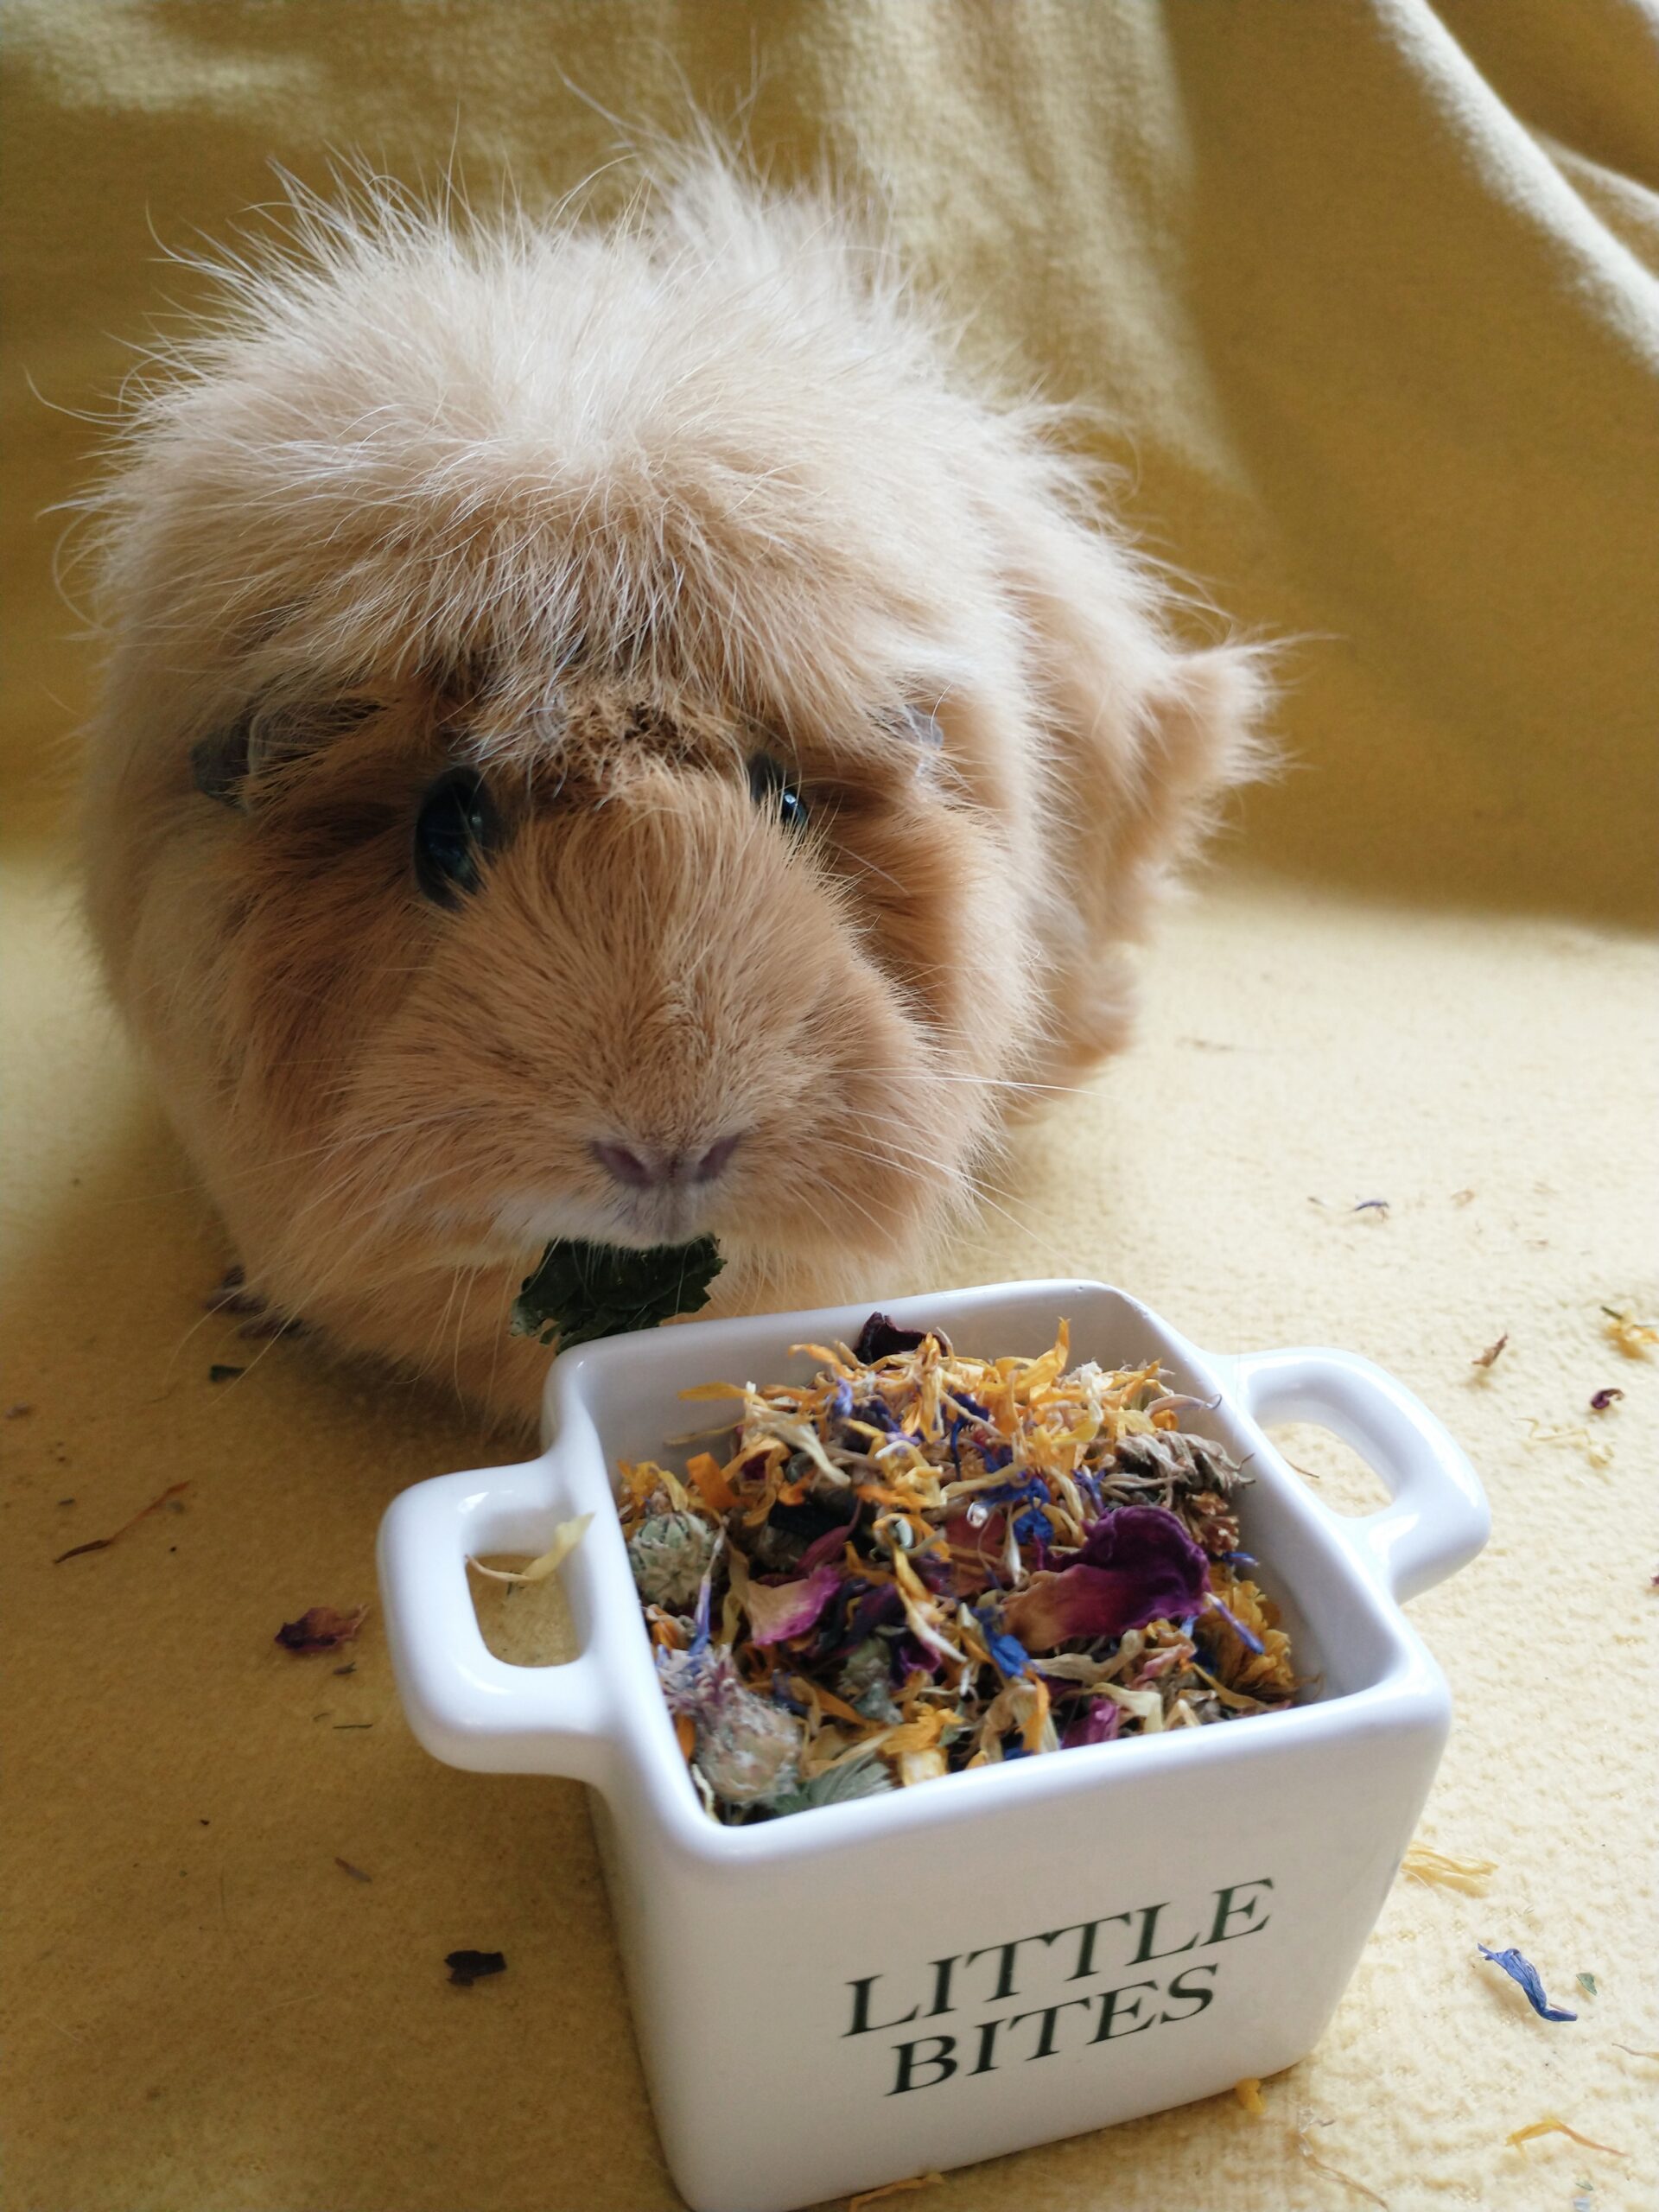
x: 1032, y: 1526
x: 1011, y: 1655
x: 1251, y: 1642
x: 1523, y: 1972
x: 840, y: 1400
x: 1240, y: 1558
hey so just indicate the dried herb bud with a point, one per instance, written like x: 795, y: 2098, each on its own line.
x: 747, y: 1748
x: 669, y: 1556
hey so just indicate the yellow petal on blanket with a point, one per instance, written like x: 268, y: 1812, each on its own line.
x: 1551, y: 2126
x: 1248, y: 2093
x: 565, y: 1537
x: 1438, y: 1869
x: 891, y: 2189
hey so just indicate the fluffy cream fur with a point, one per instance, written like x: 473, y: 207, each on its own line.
x: 606, y: 513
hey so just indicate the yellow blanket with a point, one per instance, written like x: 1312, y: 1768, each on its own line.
x: 1367, y: 292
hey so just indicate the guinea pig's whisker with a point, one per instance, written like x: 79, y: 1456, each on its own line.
x: 973, y: 1187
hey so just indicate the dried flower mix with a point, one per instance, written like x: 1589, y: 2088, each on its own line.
x: 919, y: 1562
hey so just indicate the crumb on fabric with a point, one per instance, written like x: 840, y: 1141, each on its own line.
x: 467, y: 1967
x: 1490, y: 1357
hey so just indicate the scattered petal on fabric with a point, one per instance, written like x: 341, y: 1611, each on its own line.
x: 1438, y: 1869
x: 1523, y: 1972
x: 320, y: 1630
x: 890, y: 2188
x: 1633, y: 1336
x: 1551, y: 2126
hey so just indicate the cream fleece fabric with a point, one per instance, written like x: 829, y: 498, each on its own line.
x: 1367, y: 290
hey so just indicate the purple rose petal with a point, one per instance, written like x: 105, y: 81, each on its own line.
x: 1097, y: 1723
x: 1138, y: 1565
x: 777, y: 1611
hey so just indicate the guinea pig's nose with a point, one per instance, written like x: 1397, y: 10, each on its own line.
x: 649, y: 1167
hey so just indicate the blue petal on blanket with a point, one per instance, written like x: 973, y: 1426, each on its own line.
x: 1523, y: 1972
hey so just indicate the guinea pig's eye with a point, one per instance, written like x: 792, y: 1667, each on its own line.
x: 455, y: 831
x: 772, y: 788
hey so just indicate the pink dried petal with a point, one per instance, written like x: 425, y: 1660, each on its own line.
x: 320, y: 1630
x: 1139, y: 1564
x: 1097, y: 1723
x: 777, y: 1611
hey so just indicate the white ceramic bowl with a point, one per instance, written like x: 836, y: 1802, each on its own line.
x: 849, y: 1996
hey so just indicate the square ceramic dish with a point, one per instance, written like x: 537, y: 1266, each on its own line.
x: 845, y: 1997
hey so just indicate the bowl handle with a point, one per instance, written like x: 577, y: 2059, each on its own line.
x: 1437, y: 1517
x: 466, y: 1705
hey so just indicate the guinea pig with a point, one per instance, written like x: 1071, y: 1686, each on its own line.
x: 608, y: 734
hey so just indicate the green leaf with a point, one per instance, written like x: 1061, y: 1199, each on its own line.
x: 582, y: 1291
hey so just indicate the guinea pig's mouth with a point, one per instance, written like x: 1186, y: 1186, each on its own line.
x: 636, y: 1221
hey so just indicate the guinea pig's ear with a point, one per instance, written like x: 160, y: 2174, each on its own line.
x: 1146, y: 735
x: 228, y: 764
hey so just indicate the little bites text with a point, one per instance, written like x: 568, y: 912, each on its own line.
x: 1032, y: 1982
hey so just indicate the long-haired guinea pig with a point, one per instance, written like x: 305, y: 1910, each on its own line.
x: 607, y: 735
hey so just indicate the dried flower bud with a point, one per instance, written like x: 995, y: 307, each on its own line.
x: 864, y: 1776
x: 866, y: 1680
x: 747, y: 1747
x: 670, y: 1554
